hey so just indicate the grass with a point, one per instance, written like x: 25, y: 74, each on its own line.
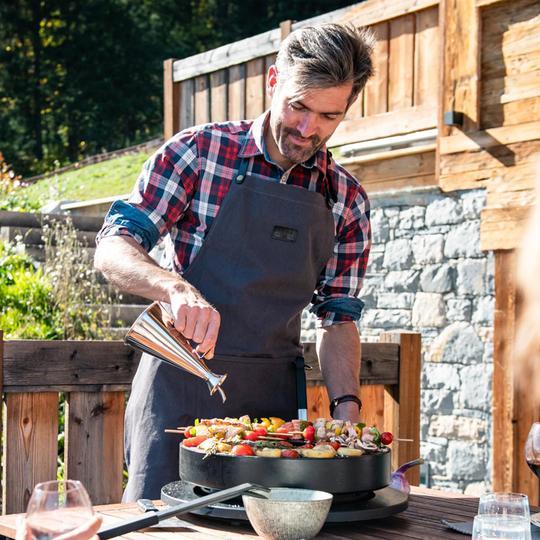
x: 113, y: 177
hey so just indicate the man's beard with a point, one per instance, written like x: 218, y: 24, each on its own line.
x: 293, y: 152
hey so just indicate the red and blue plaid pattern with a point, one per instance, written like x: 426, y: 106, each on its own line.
x: 181, y: 188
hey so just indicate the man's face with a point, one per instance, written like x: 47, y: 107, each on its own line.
x: 301, y: 121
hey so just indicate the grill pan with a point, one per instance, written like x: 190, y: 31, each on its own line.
x: 365, y: 473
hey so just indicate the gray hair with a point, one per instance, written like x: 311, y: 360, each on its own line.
x: 328, y: 55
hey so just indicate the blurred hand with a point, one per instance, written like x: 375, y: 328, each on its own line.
x: 196, y: 319
x: 86, y: 531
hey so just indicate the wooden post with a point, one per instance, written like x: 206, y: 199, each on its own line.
x: 171, y: 100
x: 513, y: 412
x: 285, y: 28
x: 402, y: 402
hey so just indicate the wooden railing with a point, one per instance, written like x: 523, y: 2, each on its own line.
x: 94, y: 376
x: 228, y: 83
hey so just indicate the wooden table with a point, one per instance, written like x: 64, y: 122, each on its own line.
x: 422, y: 520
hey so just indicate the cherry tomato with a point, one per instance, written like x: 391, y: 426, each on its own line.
x: 242, y: 450
x: 306, y: 446
x: 261, y: 431
x: 290, y: 454
x: 187, y: 432
x: 335, y: 445
x: 309, y: 434
x: 386, y: 437
x: 251, y: 436
x: 194, y: 441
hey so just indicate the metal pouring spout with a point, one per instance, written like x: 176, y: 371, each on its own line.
x: 153, y: 332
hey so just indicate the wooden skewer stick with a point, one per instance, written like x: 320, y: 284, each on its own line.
x: 404, y: 440
x: 181, y: 431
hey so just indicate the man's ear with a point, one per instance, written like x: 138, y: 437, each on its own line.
x: 272, y: 80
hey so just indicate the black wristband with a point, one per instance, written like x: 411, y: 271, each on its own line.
x: 341, y: 399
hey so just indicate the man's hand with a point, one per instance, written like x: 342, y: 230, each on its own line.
x: 196, y: 319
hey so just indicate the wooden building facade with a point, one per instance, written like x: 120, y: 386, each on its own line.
x: 460, y: 76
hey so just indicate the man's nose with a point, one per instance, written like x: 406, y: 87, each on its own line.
x: 307, y: 125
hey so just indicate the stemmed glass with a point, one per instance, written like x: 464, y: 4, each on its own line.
x: 57, y: 507
x: 532, y: 455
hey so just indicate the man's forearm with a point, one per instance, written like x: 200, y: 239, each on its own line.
x: 126, y: 265
x: 339, y: 351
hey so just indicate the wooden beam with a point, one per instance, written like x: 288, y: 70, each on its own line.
x: 171, y: 101
x: 502, y: 228
x: 30, y: 219
x: 385, y: 125
x: 479, y: 140
x: 460, y: 40
x: 41, y: 363
x: 402, y: 402
x: 513, y: 412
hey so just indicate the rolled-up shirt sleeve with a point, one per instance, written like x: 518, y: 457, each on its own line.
x: 336, y: 299
x: 161, y: 194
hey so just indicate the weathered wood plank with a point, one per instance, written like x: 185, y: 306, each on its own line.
x: 255, y: 87
x: 187, y: 103
x: 376, y: 89
x: 508, y: 114
x: 368, y: 13
x: 392, y: 169
x: 426, y: 57
x: 385, y: 125
x: 479, y: 140
x: 502, y: 228
x: 171, y: 101
x: 402, y: 402
x: 29, y: 219
x: 56, y: 363
x: 380, y: 363
x: 218, y: 96
x: 401, y: 63
x: 237, y: 92
x: 34, y: 236
x: 202, y: 100
x: 30, y: 446
x: 460, y: 34
x: 94, y: 444
x: 268, y: 61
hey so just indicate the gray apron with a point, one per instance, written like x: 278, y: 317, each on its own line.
x: 259, y: 266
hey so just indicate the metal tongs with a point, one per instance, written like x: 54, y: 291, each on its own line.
x: 153, y: 332
x: 153, y: 518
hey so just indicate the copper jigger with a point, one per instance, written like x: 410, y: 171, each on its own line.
x: 153, y: 332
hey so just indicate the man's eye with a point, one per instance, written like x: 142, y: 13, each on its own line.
x: 331, y: 116
x: 296, y: 106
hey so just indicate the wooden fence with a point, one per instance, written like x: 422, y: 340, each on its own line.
x: 228, y: 83
x: 94, y: 376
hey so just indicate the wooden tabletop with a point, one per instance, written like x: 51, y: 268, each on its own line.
x: 422, y: 520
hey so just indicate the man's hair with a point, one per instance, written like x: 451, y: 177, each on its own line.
x: 327, y: 55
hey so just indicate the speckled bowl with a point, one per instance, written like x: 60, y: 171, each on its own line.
x: 288, y: 513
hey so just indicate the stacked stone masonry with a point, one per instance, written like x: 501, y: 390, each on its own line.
x: 427, y: 274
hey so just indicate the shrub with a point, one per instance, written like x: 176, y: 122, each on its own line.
x: 11, y: 195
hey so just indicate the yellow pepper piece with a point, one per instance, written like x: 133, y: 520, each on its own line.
x: 276, y: 422
x: 266, y: 422
x: 338, y: 431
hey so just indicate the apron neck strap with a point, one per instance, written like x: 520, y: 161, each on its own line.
x: 242, y: 168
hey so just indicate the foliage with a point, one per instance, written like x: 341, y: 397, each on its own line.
x: 78, y: 78
x: 11, y: 185
x: 112, y: 177
x: 61, y: 299
x: 81, y: 303
x: 27, y: 308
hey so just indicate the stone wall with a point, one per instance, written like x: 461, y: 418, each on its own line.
x: 427, y: 274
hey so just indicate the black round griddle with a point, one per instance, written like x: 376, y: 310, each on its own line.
x: 366, y: 473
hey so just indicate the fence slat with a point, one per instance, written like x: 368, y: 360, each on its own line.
x: 255, y: 88
x: 376, y: 90
x: 237, y: 92
x: 202, y: 100
x: 94, y: 443
x: 400, y: 63
x: 218, y: 96
x: 30, y: 446
x: 402, y: 402
x: 186, y: 104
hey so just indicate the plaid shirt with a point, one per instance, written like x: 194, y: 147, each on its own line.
x: 182, y: 186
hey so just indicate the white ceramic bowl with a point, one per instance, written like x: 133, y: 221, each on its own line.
x: 288, y: 513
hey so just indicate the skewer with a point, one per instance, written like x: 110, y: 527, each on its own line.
x: 181, y: 431
x: 404, y: 440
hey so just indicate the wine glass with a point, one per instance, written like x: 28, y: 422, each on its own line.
x: 532, y: 455
x: 57, y: 507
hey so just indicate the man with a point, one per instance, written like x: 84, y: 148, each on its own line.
x: 261, y: 221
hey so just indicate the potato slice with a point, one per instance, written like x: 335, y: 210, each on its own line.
x: 268, y: 452
x: 224, y: 447
x: 319, y: 452
x: 345, y: 451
